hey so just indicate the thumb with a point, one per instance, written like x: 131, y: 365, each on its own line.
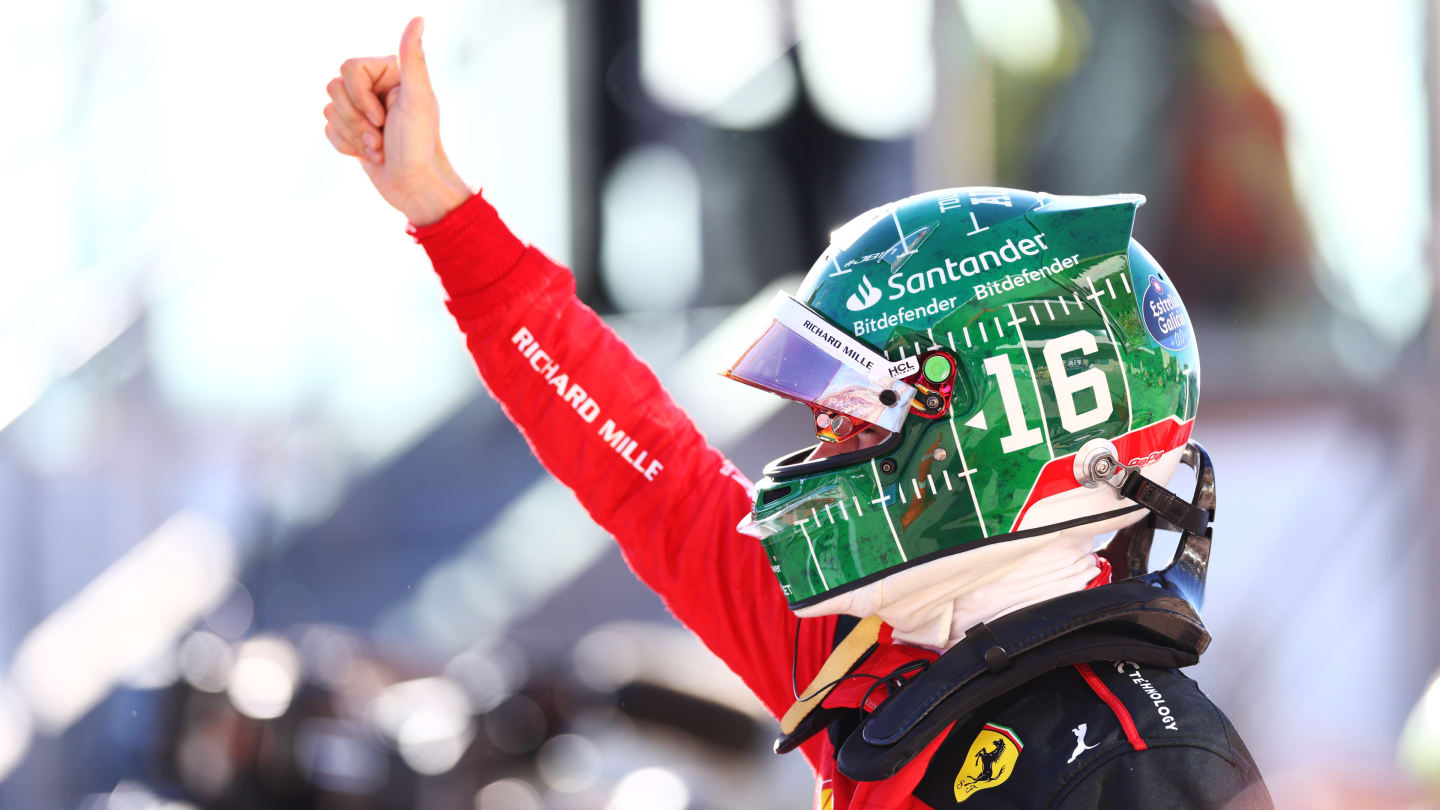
x: 413, y: 72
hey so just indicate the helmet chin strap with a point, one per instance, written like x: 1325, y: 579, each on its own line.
x: 1097, y: 464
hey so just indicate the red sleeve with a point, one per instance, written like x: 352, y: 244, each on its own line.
x: 599, y: 420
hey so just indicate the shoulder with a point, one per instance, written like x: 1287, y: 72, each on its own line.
x: 1163, y: 704
x: 1106, y: 734
x: 1163, y: 740
x: 1180, y: 776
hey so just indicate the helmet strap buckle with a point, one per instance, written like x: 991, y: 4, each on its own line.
x: 1097, y: 462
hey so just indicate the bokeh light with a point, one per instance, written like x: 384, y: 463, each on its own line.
x: 569, y: 763
x: 650, y: 789
x: 265, y: 677
x: 508, y: 794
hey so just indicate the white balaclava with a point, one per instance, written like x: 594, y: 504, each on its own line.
x: 933, y: 604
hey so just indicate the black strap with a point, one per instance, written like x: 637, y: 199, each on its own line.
x: 996, y: 658
x: 821, y: 717
x: 1166, y: 504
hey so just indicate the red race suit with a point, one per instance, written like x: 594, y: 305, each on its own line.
x: 573, y: 388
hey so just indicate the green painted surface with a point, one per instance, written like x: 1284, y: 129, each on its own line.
x: 982, y: 273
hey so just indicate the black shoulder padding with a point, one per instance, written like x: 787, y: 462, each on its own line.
x: 1133, y: 620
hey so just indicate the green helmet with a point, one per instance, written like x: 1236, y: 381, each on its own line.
x: 957, y: 349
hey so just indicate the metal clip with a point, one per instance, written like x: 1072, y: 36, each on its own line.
x: 1097, y: 462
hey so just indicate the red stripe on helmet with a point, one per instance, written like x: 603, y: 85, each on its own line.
x: 1136, y: 448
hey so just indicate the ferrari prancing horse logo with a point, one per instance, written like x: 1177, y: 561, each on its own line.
x: 990, y: 762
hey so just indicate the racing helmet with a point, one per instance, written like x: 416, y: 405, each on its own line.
x: 963, y: 351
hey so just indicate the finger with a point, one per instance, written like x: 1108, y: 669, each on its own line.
x: 336, y: 140
x: 348, y: 120
x: 352, y: 125
x: 365, y: 143
x: 366, y: 80
x: 413, y: 71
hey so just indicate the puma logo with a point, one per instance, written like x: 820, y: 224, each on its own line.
x: 1080, y: 746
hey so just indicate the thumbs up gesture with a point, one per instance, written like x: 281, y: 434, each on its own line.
x: 383, y: 111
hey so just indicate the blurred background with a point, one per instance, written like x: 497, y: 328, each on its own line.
x: 265, y: 542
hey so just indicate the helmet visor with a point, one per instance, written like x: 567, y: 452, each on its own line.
x: 801, y: 356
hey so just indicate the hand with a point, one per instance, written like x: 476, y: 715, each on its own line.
x: 383, y: 111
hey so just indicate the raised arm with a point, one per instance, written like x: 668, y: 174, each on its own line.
x: 594, y: 413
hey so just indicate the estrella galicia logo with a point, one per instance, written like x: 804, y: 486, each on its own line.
x: 863, y: 298
x: 1165, y: 317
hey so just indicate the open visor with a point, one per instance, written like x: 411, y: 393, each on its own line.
x: 801, y: 356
